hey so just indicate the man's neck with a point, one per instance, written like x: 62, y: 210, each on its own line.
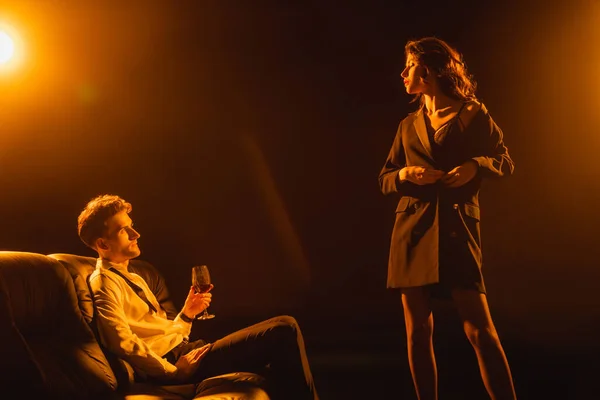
x: 118, y: 265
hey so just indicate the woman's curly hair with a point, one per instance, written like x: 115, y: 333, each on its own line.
x: 446, y: 64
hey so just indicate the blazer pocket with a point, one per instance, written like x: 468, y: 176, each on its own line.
x: 472, y: 211
x: 403, y: 204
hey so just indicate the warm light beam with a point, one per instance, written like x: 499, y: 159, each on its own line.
x: 7, y: 47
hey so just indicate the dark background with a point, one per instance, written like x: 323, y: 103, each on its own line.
x: 249, y: 136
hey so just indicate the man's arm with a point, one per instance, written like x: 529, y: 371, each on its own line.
x: 117, y: 336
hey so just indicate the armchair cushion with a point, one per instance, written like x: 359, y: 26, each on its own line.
x: 239, y: 385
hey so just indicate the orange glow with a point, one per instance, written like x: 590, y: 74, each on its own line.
x: 68, y: 56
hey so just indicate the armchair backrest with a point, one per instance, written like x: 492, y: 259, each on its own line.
x: 81, y: 267
x: 18, y: 368
x: 46, y: 327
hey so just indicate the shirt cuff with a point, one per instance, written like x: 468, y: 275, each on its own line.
x: 185, y: 318
x: 179, y: 319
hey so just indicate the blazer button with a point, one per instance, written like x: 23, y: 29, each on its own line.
x: 453, y: 234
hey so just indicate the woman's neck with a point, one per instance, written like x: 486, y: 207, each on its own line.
x: 439, y: 104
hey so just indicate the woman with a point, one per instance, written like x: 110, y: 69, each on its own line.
x: 436, y: 163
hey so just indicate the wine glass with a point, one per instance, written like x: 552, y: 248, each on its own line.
x: 201, y: 283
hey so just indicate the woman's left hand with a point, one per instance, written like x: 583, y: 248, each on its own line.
x: 460, y: 175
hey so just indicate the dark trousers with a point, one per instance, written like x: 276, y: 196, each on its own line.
x: 273, y: 348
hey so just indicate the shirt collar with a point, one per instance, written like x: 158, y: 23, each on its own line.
x: 122, y: 267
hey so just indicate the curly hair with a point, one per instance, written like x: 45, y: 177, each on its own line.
x: 91, y: 223
x: 447, y: 64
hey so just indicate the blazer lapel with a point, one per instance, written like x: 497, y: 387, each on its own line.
x: 421, y: 129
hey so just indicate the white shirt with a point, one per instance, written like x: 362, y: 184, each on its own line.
x: 126, y: 326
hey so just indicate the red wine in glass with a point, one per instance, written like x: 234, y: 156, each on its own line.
x: 201, y: 283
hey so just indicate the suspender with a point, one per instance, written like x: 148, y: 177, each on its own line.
x: 138, y: 290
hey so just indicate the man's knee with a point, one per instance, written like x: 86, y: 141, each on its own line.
x: 285, y: 326
x: 284, y: 321
x: 289, y: 321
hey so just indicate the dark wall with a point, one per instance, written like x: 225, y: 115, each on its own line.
x: 249, y: 136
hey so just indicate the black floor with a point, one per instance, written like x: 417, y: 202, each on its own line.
x: 368, y: 361
x: 364, y: 357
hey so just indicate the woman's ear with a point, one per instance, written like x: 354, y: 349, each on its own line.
x: 425, y: 75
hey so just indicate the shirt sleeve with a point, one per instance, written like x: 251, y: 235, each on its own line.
x: 116, y: 334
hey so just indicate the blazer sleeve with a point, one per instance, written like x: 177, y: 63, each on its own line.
x: 389, y: 179
x: 493, y: 159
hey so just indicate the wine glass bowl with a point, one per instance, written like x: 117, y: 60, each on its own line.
x: 202, y: 284
x: 201, y: 278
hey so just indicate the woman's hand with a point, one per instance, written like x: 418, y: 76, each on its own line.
x: 461, y: 174
x: 420, y: 175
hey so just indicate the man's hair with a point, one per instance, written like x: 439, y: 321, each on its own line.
x: 91, y: 223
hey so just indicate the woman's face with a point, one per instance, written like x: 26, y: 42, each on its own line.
x: 413, y: 75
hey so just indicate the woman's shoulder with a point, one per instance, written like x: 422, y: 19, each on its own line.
x: 411, y: 116
x: 472, y: 109
x: 408, y: 121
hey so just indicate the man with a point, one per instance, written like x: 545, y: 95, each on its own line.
x: 132, y: 324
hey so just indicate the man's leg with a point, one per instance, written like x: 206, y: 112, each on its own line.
x: 276, y: 343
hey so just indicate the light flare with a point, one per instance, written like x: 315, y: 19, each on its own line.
x: 7, y: 47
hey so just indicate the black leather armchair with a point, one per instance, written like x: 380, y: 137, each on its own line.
x: 48, y: 347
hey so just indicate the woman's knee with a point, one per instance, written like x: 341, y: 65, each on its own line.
x: 482, y: 337
x: 420, y: 333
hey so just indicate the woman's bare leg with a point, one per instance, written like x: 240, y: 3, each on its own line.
x: 418, y: 319
x: 481, y: 332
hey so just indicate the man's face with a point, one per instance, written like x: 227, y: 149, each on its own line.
x: 119, y: 244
